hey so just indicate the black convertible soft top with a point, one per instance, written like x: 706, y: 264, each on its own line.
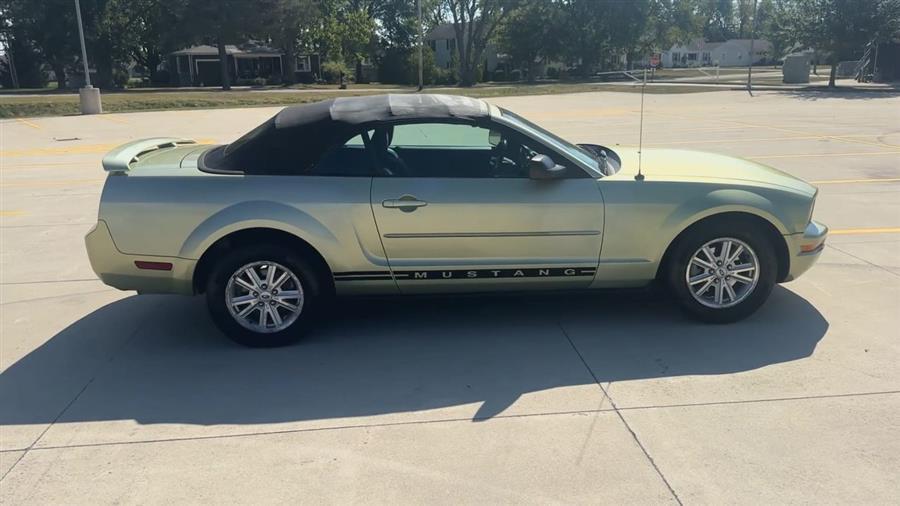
x: 297, y: 136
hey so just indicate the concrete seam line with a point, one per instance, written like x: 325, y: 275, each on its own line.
x: 619, y: 414
x: 51, y: 297
x: 47, y: 281
x: 426, y: 422
x: 315, y: 429
x: 97, y: 370
x: 885, y: 269
x: 757, y: 401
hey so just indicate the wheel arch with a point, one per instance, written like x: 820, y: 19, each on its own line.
x: 259, y: 235
x: 771, y: 231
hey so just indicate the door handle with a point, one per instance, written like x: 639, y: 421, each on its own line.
x: 406, y: 203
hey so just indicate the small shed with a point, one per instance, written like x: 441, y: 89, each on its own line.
x: 795, y: 69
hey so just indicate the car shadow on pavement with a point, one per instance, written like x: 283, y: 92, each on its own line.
x: 158, y: 359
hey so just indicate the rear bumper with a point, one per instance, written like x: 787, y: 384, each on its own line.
x: 805, y: 248
x: 119, y: 270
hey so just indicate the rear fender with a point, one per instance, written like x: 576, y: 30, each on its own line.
x: 266, y: 214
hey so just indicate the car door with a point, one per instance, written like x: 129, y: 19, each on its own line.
x: 456, y: 211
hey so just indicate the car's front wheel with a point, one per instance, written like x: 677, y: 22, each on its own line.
x: 722, y: 272
x: 262, y: 296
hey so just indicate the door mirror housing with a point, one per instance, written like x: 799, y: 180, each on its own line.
x: 543, y: 167
x: 495, y: 138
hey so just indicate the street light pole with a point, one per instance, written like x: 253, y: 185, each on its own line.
x: 89, y: 96
x: 421, y: 43
x: 87, y: 74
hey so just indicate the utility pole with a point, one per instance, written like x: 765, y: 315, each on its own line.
x: 89, y: 96
x: 421, y: 43
x: 752, y: 35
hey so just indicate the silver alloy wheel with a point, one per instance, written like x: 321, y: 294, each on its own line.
x: 264, y: 297
x: 722, y: 273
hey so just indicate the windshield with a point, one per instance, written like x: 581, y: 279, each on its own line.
x: 582, y: 155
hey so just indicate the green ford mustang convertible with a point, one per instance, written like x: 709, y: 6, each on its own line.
x: 409, y: 194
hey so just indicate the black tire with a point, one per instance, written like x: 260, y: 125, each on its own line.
x: 747, y: 232
x: 228, y: 323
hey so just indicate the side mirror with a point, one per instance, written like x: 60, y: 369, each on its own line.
x: 543, y: 167
x: 494, y: 138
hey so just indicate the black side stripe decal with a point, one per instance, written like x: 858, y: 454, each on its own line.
x: 362, y: 273
x: 545, y: 272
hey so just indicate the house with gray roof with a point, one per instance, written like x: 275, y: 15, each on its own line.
x: 199, y: 65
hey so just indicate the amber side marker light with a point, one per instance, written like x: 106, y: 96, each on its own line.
x: 811, y: 248
x: 153, y: 266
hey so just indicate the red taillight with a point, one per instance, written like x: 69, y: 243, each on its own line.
x: 153, y: 266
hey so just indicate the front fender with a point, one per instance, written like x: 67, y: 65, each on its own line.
x: 724, y: 201
x: 266, y: 214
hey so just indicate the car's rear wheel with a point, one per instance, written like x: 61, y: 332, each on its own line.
x: 721, y: 272
x: 262, y: 296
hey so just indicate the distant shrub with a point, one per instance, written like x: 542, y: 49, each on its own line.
x: 401, y: 66
x: 332, y: 71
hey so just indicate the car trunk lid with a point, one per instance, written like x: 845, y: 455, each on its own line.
x: 146, y: 153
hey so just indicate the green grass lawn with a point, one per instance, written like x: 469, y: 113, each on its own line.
x: 61, y: 104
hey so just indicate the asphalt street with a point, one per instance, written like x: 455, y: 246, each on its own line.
x: 110, y: 397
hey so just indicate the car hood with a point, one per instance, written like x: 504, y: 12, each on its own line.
x: 687, y: 165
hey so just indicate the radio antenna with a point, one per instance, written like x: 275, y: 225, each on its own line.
x: 640, y: 175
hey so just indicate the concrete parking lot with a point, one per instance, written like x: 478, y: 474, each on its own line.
x: 109, y: 397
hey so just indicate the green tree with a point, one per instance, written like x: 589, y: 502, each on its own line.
x: 719, y: 16
x: 474, y: 23
x: 50, y: 27
x: 584, y: 33
x: 841, y: 28
x: 229, y: 22
x: 295, y: 19
x: 530, y: 33
x: 345, y: 31
x: 19, y: 59
x: 627, y: 22
x: 154, y: 30
x: 772, y: 25
x: 670, y: 22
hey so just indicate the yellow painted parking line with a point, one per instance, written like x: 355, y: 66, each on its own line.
x: 827, y: 155
x: 585, y: 113
x: 16, y: 212
x: 28, y: 123
x: 78, y: 164
x: 851, y: 181
x: 861, y: 231
x: 82, y: 149
x: 67, y: 150
x: 721, y: 141
x: 45, y: 182
x: 839, y: 138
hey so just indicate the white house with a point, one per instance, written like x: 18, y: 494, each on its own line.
x: 731, y: 53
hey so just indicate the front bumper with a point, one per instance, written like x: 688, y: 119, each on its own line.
x: 805, y: 248
x: 119, y: 270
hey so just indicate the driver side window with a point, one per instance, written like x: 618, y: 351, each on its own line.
x: 443, y: 150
